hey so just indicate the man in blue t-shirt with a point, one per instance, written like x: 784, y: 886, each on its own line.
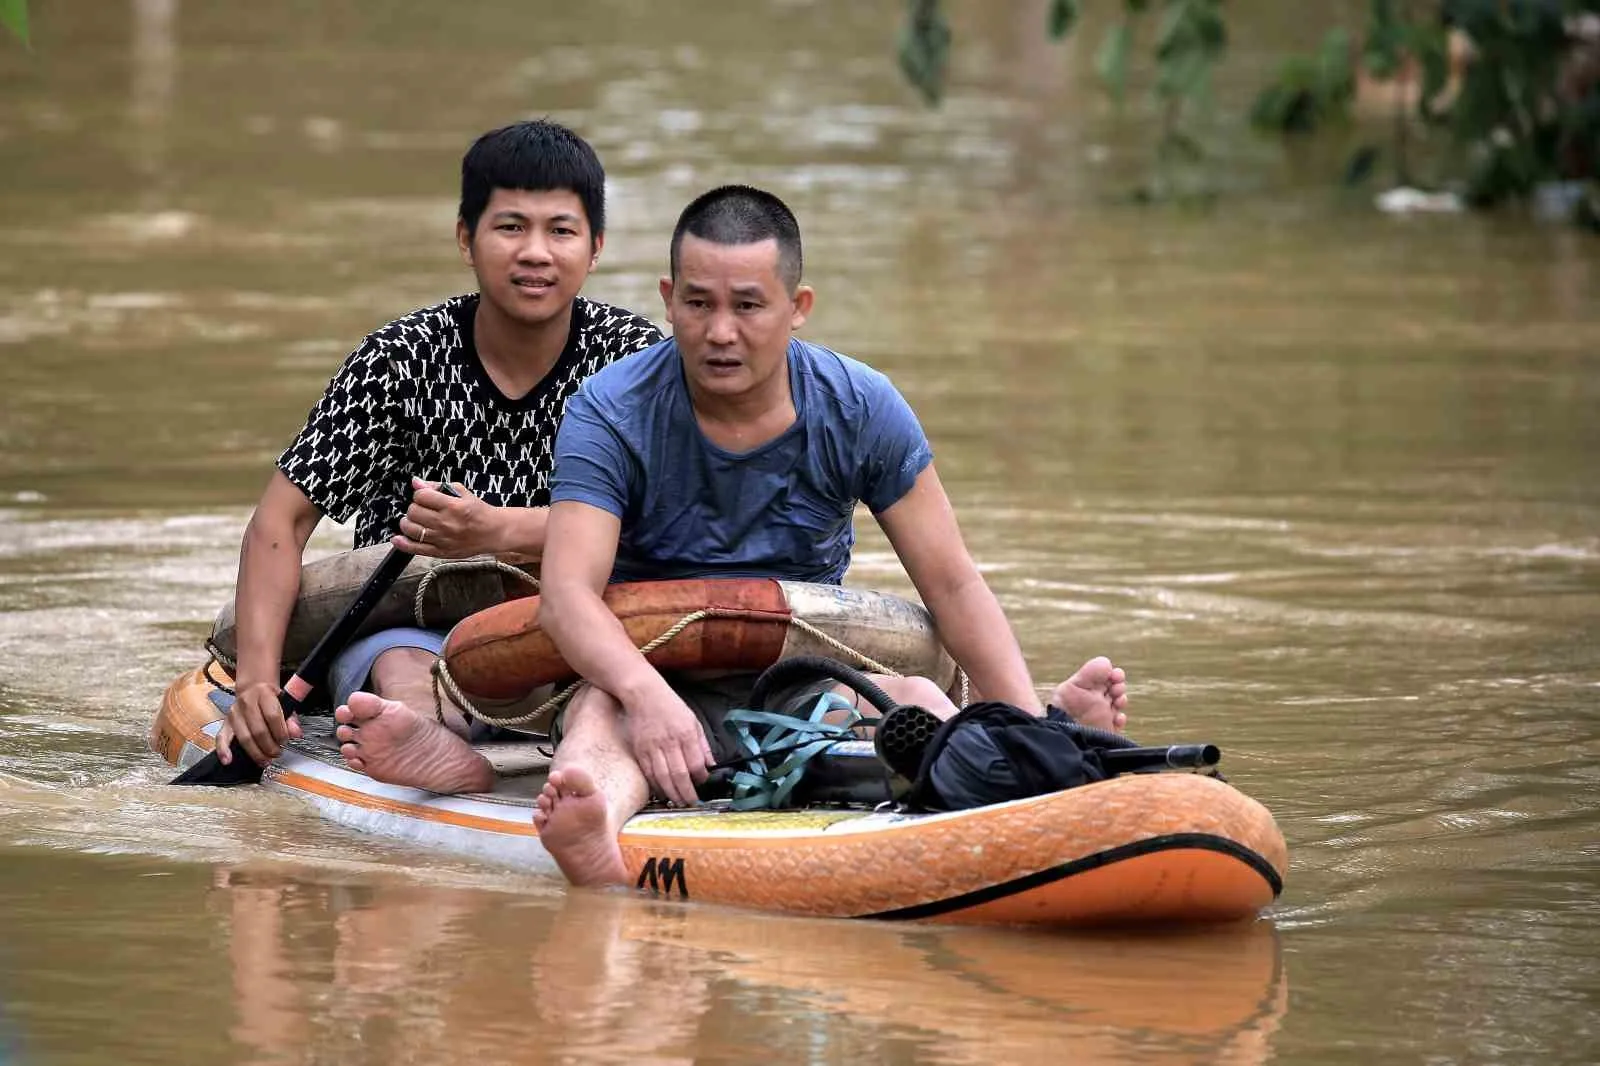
x: 734, y: 449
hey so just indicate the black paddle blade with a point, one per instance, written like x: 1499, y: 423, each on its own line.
x: 213, y: 771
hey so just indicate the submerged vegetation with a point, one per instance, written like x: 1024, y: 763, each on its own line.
x: 1191, y: 37
x: 1494, y: 100
x: 1514, y: 87
x: 14, y: 17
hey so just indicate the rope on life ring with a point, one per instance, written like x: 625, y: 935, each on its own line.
x: 217, y: 659
x: 465, y: 566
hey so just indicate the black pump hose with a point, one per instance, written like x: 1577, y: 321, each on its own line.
x: 1100, y: 738
x: 788, y: 671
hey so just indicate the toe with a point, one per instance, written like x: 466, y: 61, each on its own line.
x: 365, y: 706
x: 576, y: 782
x: 1096, y: 672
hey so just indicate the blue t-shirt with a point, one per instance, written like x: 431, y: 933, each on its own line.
x: 630, y: 444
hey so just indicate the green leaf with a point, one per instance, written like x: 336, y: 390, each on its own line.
x: 1211, y: 29
x: 1432, y: 49
x: 1175, y: 31
x: 1273, y: 108
x: 1191, y: 26
x: 1185, y: 74
x: 1111, y: 58
x: 1381, y: 53
x: 1335, y: 80
x: 924, y: 48
x: 1479, y: 19
x: 14, y: 17
x: 1361, y: 165
x: 1063, y: 16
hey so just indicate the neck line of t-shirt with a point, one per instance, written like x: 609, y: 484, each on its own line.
x: 466, y: 319
x: 792, y: 358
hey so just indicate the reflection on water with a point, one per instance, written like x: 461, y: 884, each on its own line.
x: 1322, y: 481
x: 871, y: 992
x: 292, y: 965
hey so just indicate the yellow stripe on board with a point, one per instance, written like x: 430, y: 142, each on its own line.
x: 745, y: 821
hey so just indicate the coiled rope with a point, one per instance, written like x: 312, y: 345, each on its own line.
x: 464, y: 566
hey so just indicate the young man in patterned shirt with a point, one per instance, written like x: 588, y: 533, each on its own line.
x: 469, y: 391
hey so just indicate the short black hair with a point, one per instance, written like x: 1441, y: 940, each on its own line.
x: 739, y: 214
x: 538, y: 156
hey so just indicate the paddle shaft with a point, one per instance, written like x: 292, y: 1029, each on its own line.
x: 1172, y: 757
x: 315, y: 665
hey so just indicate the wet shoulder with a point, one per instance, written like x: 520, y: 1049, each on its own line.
x: 847, y: 384
x: 639, y: 378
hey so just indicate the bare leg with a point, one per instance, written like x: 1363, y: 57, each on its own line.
x: 918, y: 691
x: 388, y: 741
x: 406, y: 675
x: 1097, y: 695
x: 594, y: 787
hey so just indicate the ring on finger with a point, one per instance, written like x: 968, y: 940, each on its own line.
x: 422, y: 537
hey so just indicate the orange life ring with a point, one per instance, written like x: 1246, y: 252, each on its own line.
x: 706, y: 624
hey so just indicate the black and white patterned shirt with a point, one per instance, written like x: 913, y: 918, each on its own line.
x: 414, y: 398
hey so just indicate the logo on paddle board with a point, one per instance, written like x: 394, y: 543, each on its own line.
x: 660, y: 875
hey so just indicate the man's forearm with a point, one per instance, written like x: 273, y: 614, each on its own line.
x: 596, y: 646
x: 521, y: 533
x: 975, y: 630
x: 269, y: 583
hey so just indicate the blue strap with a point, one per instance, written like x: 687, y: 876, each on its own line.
x: 761, y: 786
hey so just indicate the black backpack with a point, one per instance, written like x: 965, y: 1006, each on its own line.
x: 990, y: 752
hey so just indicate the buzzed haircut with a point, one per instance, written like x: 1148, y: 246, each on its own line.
x: 536, y: 156
x: 739, y: 214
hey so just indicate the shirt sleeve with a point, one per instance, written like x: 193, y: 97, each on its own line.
x: 894, y: 449
x: 349, y: 438
x: 592, y: 462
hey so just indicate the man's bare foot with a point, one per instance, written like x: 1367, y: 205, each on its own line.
x: 1096, y: 695
x: 389, y: 742
x: 572, y: 825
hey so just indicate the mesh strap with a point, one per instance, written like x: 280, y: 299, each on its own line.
x: 763, y: 786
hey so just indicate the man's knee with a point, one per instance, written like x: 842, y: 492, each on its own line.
x: 590, y: 712
x: 919, y: 691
